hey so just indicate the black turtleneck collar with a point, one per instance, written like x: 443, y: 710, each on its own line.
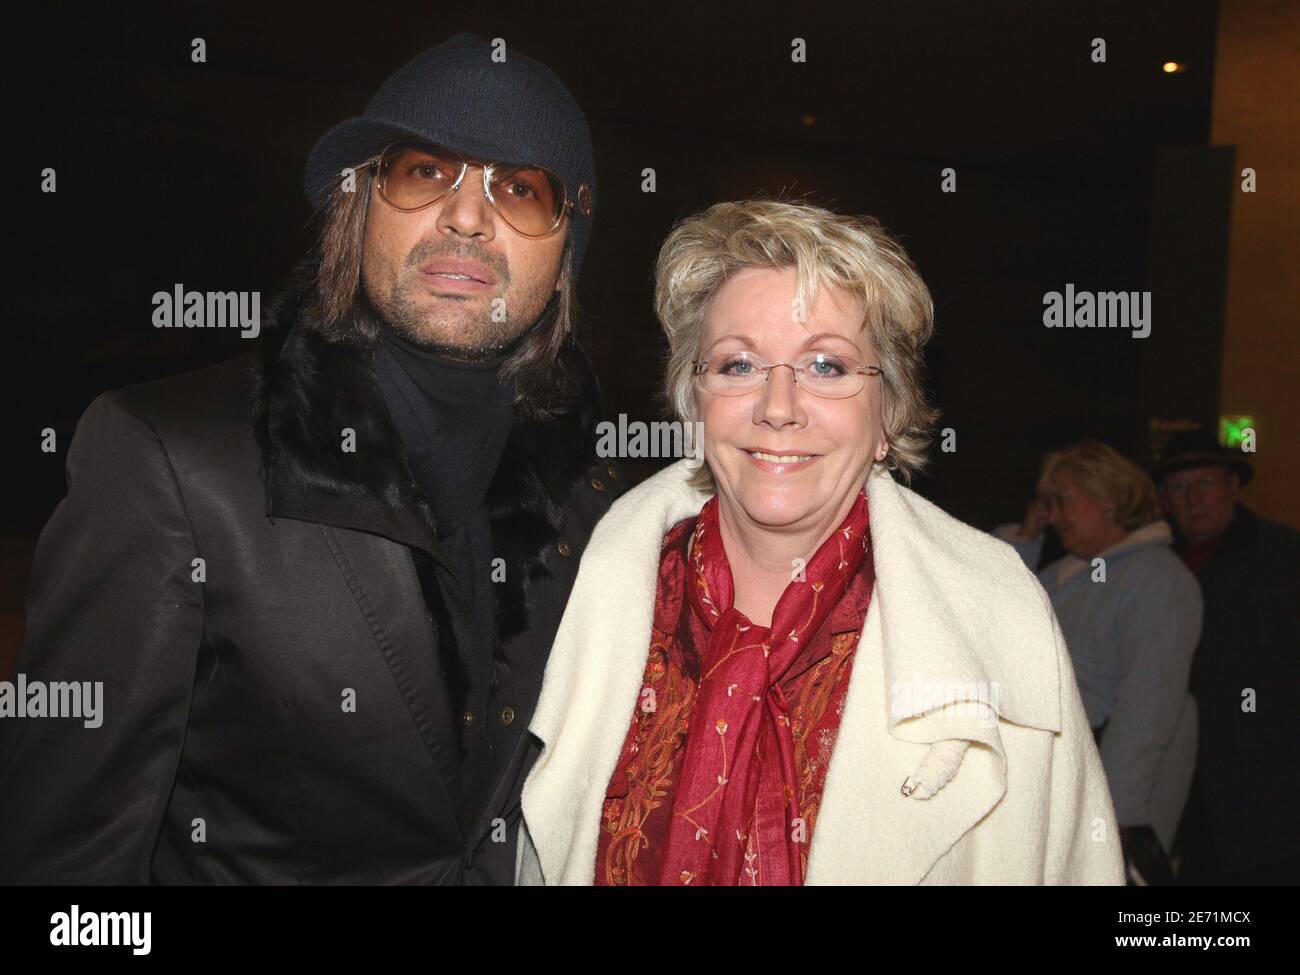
x: 453, y: 418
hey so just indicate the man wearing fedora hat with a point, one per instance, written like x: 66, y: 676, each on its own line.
x: 319, y: 586
x: 1240, y: 824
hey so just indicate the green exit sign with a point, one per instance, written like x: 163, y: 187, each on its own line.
x: 1233, y: 428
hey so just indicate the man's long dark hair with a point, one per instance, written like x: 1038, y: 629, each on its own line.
x: 340, y: 310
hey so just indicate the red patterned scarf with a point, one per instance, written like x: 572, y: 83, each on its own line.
x: 734, y: 815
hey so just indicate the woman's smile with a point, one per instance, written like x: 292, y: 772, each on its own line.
x: 780, y: 462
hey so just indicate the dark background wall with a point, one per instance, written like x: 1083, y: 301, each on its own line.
x: 1067, y: 171
x: 1257, y: 112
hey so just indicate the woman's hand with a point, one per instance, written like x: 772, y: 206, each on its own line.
x: 1035, y: 520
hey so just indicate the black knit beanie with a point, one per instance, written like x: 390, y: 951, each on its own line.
x: 455, y: 95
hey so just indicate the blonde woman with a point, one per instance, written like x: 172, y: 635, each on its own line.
x: 1131, y: 613
x: 784, y: 667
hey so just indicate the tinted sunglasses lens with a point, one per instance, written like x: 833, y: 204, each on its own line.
x: 411, y: 177
x: 529, y: 199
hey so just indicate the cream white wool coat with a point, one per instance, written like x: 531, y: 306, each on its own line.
x: 963, y: 755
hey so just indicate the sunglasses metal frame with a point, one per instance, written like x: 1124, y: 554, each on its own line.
x: 489, y: 167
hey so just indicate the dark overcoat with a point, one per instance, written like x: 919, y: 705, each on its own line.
x: 280, y: 712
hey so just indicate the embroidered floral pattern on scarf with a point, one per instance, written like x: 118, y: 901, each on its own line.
x: 721, y: 774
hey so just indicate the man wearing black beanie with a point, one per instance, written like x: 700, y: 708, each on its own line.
x: 318, y: 586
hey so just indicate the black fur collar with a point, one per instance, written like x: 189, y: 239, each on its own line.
x: 312, y: 388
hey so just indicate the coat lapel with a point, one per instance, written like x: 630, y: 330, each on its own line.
x: 385, y: 586
x: 868, y: 829
x: 921, y: 705
x: 598, y: 658
x: 331, y: 456
x: 919, y: 760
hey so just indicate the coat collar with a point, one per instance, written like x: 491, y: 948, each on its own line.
x: 313, y: 389
x: 953, y: 641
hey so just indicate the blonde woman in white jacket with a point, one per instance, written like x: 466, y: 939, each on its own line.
x: 782, y: 666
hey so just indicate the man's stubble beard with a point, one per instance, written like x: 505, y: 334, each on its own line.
x: 453, y: 326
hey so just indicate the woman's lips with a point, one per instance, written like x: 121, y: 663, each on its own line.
x: 775, y: 463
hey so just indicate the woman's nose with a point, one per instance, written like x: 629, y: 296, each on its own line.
x: 777, y: 398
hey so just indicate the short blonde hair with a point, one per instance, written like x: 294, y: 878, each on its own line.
x: 1108, y: 476
x: 852, y: 253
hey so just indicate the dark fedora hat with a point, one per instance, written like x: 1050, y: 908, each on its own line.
x: 1196, y: 448
x: 456, y: 94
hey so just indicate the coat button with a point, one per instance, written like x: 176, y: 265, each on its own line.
x: 564, y: 548
x: 507, y: 715
x: 469, y: 717
x: 598, y: 484
x: 613, y: 474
